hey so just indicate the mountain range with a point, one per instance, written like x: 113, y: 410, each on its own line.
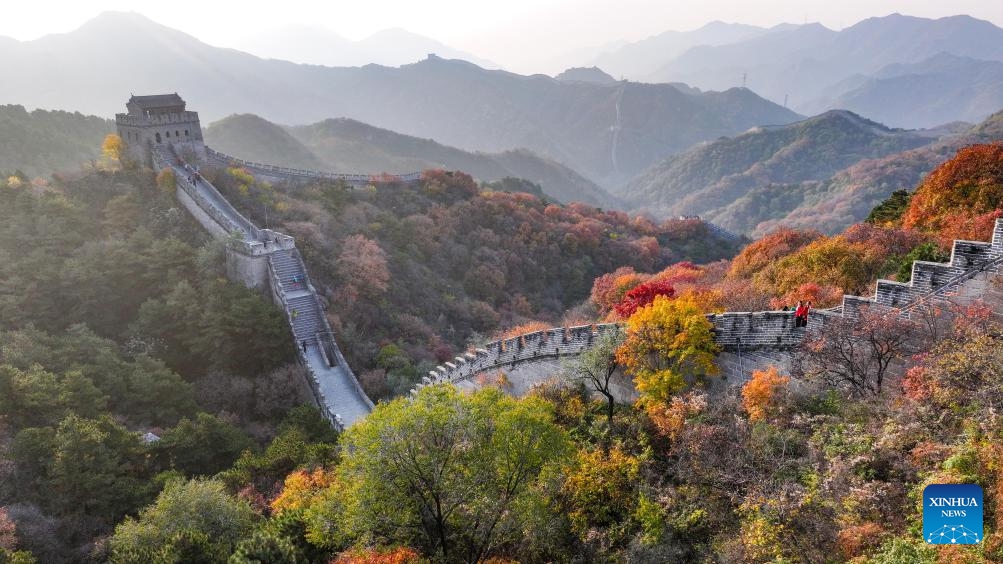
x: 346, y: 145
x: 605, y: 132
x: 317, y: 45
x: 816, y: 68
x: 937, y: 90
x: 824, y: 173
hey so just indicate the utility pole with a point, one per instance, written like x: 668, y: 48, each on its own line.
x: 785, y: 100
x: 744, y: 76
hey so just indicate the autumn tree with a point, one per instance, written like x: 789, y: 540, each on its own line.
x: 969, y: 184
x: 768, y: 249
x: 362, y: 266
x: 760, y: 394
x: 667, y: 344
x: 452, y: 473
x: 596, y: 366
x: 858, y: 353
x: 609, y: 289
x: 112, y: 152
x: 190, y: 520
x: 600, y: 489
x: 642, y: 295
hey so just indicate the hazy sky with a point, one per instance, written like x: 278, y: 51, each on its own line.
x: 519, y: 34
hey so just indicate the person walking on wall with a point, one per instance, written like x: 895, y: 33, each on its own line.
x: 303, y: 344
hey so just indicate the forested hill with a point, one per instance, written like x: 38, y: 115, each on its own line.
x: 710, y: 176
x: 41, y: 142
x: 345, y: 145
x: 416, y: 273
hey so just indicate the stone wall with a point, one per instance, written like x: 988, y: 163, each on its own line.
x: 272, y: 173
x: 749, y: 340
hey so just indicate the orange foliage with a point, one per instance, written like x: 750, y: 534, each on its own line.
x: 671, y: 419
x: 759, y: 254
x: 966, y: 227
x: 399, y: 555
x: 970, y: 184
x: 300, y: 489
x: 916, y: 384
x: 828, y: 261
x: 609, y: 289
x: 522, y: 329
x: 857, y: 540
x: 819, y: 296
x: 761, y: 394
x: 706, y: 299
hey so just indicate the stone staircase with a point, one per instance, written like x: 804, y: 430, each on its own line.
x: 334, y: 386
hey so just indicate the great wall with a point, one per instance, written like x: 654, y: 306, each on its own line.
x: 269, y: 260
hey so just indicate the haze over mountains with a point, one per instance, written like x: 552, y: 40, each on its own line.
x: 811, y: 63
x: 317, y: 45
x: 668, y: 147
x: 603, y: 131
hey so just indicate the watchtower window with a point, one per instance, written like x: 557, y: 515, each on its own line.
x: 186, y: 133
x: 168, y: 133
x: 176, y: 134
x: 158, y: 138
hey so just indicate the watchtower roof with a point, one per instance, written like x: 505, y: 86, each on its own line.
x: 157, y: 102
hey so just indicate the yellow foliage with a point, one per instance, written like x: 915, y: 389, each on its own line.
x: 601, y: 488
x: 112, y: 150
x: 667, y: 342
x: 14, y: 182
x: 399, y: 555
x: 301, y: 488
x: 760, y: 394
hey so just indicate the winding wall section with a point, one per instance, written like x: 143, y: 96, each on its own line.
x: 753, y: 340
x: 261, y: 256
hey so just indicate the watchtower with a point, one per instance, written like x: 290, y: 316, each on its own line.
x: 161, y: 120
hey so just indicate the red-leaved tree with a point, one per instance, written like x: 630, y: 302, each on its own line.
x: 643, y: 295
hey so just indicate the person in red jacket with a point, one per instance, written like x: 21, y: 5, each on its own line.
x: 799, y: 314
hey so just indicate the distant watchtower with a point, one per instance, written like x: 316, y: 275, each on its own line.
x: 160, y: 120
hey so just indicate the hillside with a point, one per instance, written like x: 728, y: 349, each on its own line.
x: 713, y: 176
x: 810, y: 62
x: 848, y: 196
x: 418, y: 272
x: 594, y: 75
x: 454, y: 102
x: 345, y: 145
x: 41, y: 142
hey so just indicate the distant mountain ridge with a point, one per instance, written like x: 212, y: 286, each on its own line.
x: 454, y: 102
x: 811, y: 63
x: 709, y: 178
x: 640, y: 59
x: 939, y: 89
x: 318, y: 45
x: 345, y: 145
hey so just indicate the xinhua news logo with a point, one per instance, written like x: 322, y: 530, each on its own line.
x: 952, y: 514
